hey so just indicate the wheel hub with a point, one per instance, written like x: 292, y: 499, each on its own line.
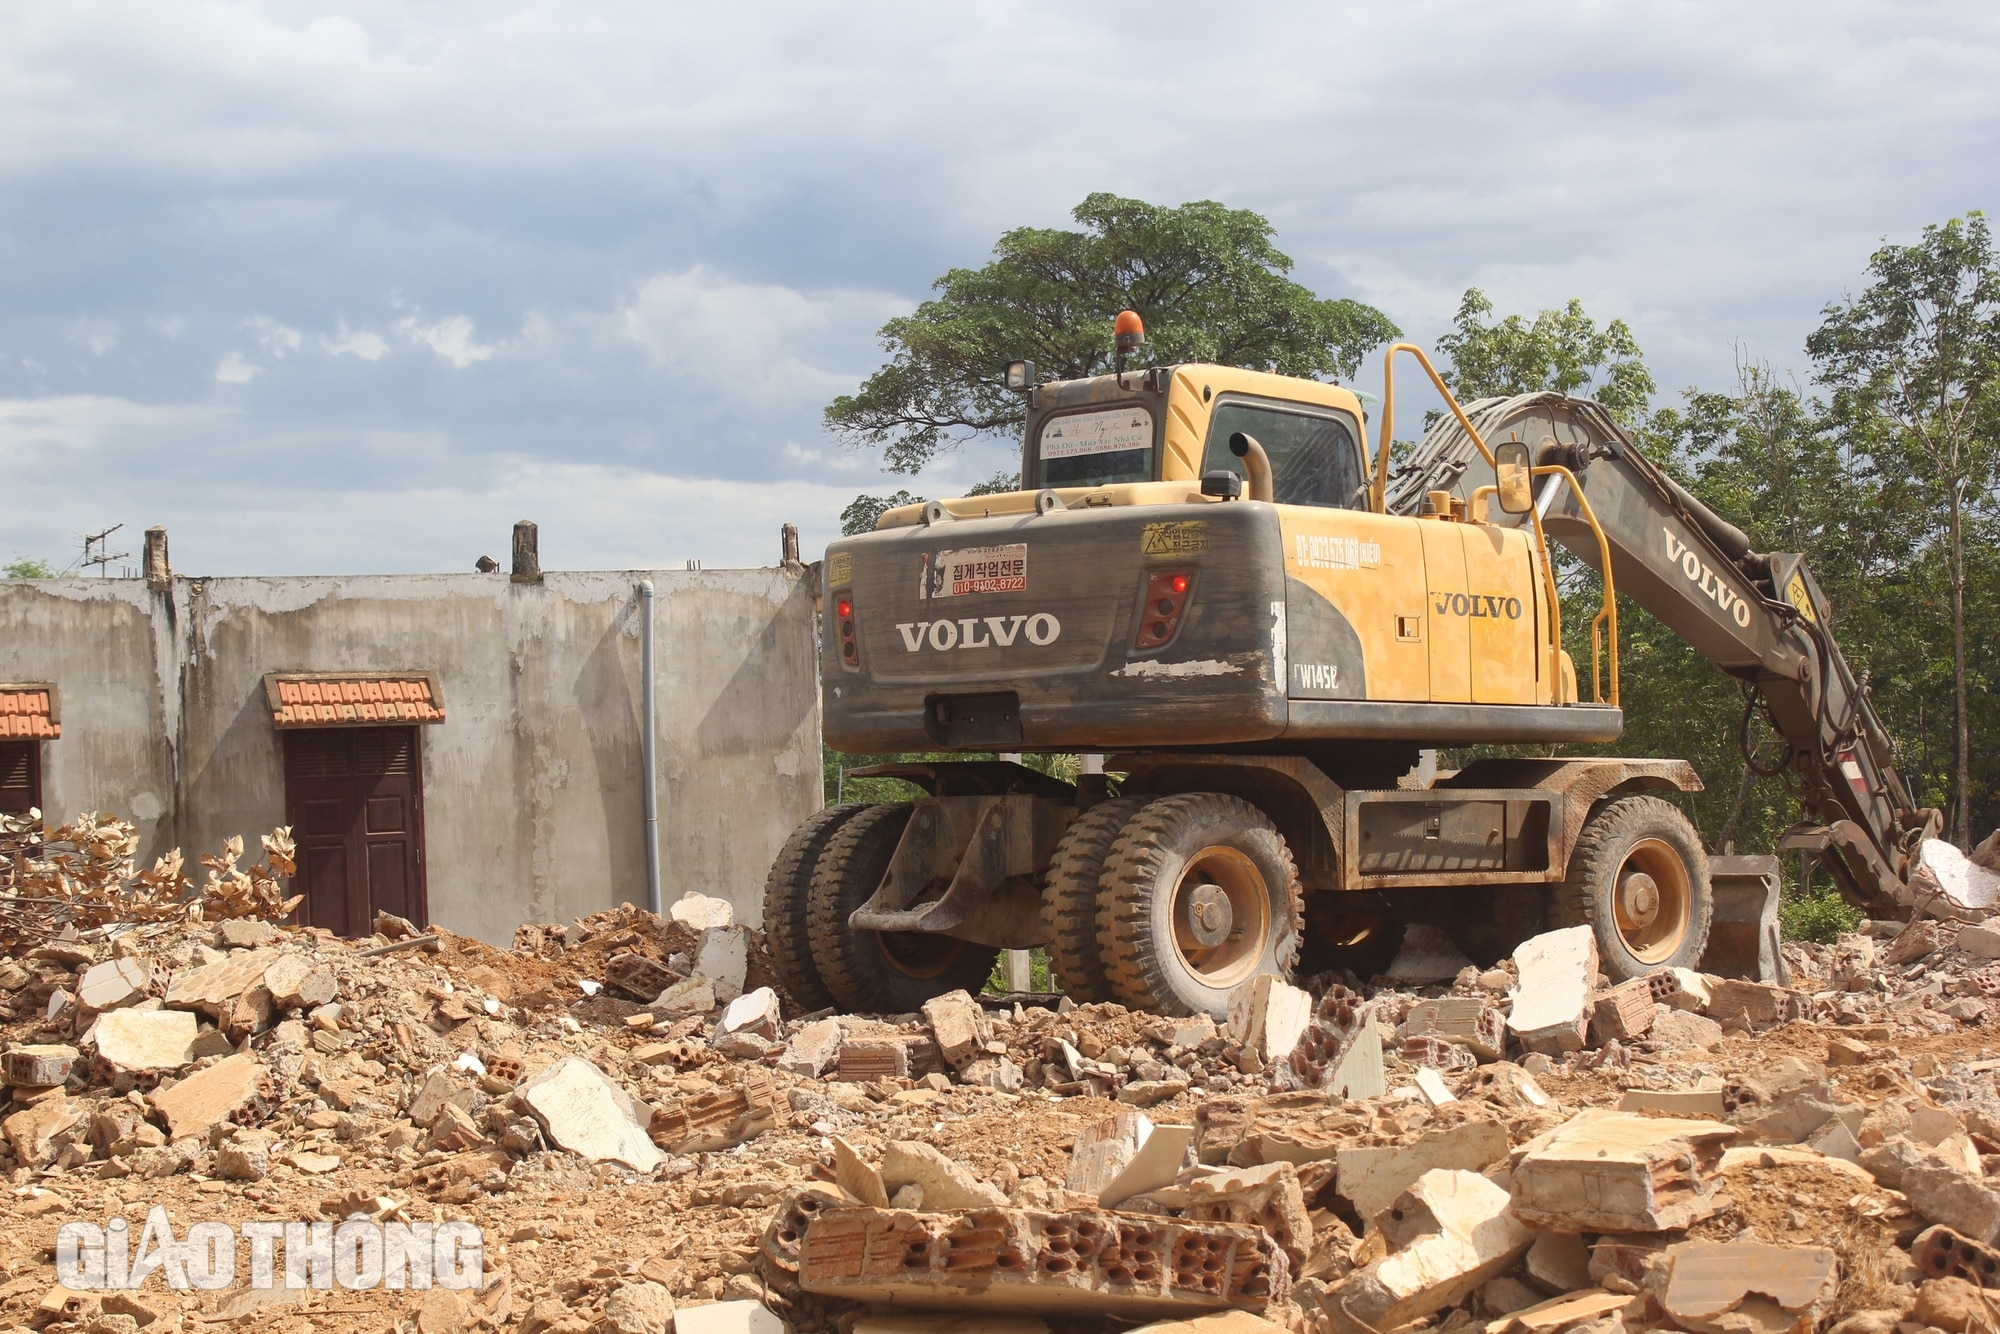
x: 1639, y: 899
x: 1209, y: 915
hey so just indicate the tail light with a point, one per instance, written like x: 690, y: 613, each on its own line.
x: 1160, y: 610
x: 850, y: 646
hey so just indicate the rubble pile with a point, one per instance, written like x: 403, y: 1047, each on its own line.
x: 651, y: 1138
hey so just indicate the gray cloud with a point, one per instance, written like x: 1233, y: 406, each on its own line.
x: 354, y: 292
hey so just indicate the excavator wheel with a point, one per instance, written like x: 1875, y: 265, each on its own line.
x: 880, y: 972
x: 786, y: 893
x: 1069, y: 906
x: 1200, y: 894
x: 1639, y: 878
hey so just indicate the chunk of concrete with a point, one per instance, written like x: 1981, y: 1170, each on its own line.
x: 1268, y: 1196
x: 1606, y: 1171
x: 31, y: 1132
x: 1942, y: 1193
x: 1340, y: 1051
x: 297, y: 983
x: 141, y: 1040
x: 1981, y: 939
x: 1466, y: 1020
x: 1552, y: 998
x: 722, y: 1119
x: 1754, y: 1007
x: 945, y: 1182
x: 813, y: 1049
x: 115, y: 982
x: 439, y: 1087
x: 853, y: 1174
x: 752, y: 1012
x: 1452, y: 1231
x: 1431, y: 1084
x: 583, y: 1110
x: 727, y: 1318
x: 1729, y: 1287
x: 959, y: 1026
x: 1623, y: 1013
x: 702, y: 912
x: 1032, y: 1262
x: 722, y: 955
x: 1372, y: 1177
x: 1701, y: 1104
x: 215, y: 987
x: 1572, y: 1310
x: 639, y: 1308
x: 1104, y: 1150
x: 208, y: 1096
x: 38, y: 1065
x: 246, y: 933
x: 1161, y: 1156
x: 691, y: 995
x: 1267, y: 1015
x: 1559, y: 1260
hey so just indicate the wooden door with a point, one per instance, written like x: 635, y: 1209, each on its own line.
x: 354, y: 797
x: 20, y: 777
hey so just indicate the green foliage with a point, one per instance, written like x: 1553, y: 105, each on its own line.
x: 998, y: 484
x: 867, y: 511
x: 1206, y: 279
x: 28, y: 567
x: 1820, y: 916
x: 1038, y: 974
x: 1561, y: 350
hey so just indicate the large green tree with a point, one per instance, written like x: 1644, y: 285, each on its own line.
x: 1561, y: 350
x: 1914, y: 365
x: 1207, y: 279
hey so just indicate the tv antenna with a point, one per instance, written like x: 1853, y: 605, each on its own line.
x: 96, y: 551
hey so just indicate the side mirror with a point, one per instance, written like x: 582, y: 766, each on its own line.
x: 1516, y: 487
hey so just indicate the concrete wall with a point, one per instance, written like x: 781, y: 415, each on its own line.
x: 532, y: 784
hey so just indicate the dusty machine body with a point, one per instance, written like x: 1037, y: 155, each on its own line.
x: 1210, y: 580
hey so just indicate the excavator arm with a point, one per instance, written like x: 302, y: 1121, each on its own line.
x: 1759, y: 616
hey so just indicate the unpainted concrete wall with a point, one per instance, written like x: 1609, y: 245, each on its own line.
x: 532, y: 784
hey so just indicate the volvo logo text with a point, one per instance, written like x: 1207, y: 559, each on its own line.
x: 979, y: 632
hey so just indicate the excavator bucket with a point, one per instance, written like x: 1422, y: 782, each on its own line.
x: 1743, y: 937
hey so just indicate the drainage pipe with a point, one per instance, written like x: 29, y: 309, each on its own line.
x: 649, y: 746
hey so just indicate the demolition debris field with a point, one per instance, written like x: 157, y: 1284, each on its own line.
x: 649, y: 1139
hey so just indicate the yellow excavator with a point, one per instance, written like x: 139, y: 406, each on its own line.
x: 1267, y: 630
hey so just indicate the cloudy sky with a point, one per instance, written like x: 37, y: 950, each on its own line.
x: 352, y: 287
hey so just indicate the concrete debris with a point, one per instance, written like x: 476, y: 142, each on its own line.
x: 582, y: 1109
x: 1623, y: 1013
x: 944, y: 1182
x: 1551, y: 1008
x: 1164, y: 1152
x: 144, y: 1040
x: 1606, y: 1171
x: 1267, y: 1196
x: 752, y: 1012
x: 38, y: 1066
x: 861, y: 1061
x: 1371, y: 1178
x: 1698, y: 1103
x: 737, y: 1317
x: 1753, y: 1007
x: 813, y: 1050
x: 854, y: 1175
x: 210, y: 1095
x: 1942, y: 1192
x: 701, y: 912
x: 958, y: 1026
x: 722, y: 956
x: 1339, y: 1051
x: 1942, y: 870
x: 115, y: 982
x: 1452, y: 1231
x: 1040, y: 1263
x: 720, y: 1118
x: 1467, y: 1021
x: 1745, y: 1287
x: 1559, y: 1261
x: 1267, y: 1016
x: 1104, y: 1150
x: 1680, y: 989
x: 1572, y: 1309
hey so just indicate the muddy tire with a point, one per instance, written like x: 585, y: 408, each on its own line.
x: 1200, y: 894
x: 880, y: 972
x: 1638, y: 877
x: 787, y: 895
x: 1069, y: 904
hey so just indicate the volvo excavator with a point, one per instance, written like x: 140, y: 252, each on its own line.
x: 1266, y: 629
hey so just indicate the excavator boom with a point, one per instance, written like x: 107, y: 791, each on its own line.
x: 1759, y: 616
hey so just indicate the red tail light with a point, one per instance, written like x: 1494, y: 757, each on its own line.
x: 1160, y: 610
x: 850, y: 645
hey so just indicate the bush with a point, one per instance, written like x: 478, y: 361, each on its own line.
x: 1819, y: 917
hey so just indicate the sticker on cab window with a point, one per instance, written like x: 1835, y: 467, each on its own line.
x: 1107, y: 431
x: 950, y: 574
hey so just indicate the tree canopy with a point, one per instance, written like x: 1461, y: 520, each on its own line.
x: 1207, y: 280
x: 1561, y: 350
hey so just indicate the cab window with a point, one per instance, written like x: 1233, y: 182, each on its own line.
x: 1314, y: 457
x: 1096, y: 446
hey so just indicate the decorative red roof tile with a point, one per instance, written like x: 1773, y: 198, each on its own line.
x: 30, y: 712
x: 353, y: 699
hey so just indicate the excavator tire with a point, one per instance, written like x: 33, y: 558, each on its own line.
x: 880, y: 972
x: 1638, y: 877
x: 787, y: 891
x: 1200, y: 894
x: 1069, y: 905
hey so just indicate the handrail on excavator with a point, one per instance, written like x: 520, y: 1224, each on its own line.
x: 1607, y: 616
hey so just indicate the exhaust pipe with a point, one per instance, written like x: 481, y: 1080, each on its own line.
x: 1256, y: 463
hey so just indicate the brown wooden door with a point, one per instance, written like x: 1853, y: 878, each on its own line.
x: 20, y: 777
x: 354, y: 797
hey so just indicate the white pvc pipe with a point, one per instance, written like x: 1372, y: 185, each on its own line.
x: 649, y: 746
